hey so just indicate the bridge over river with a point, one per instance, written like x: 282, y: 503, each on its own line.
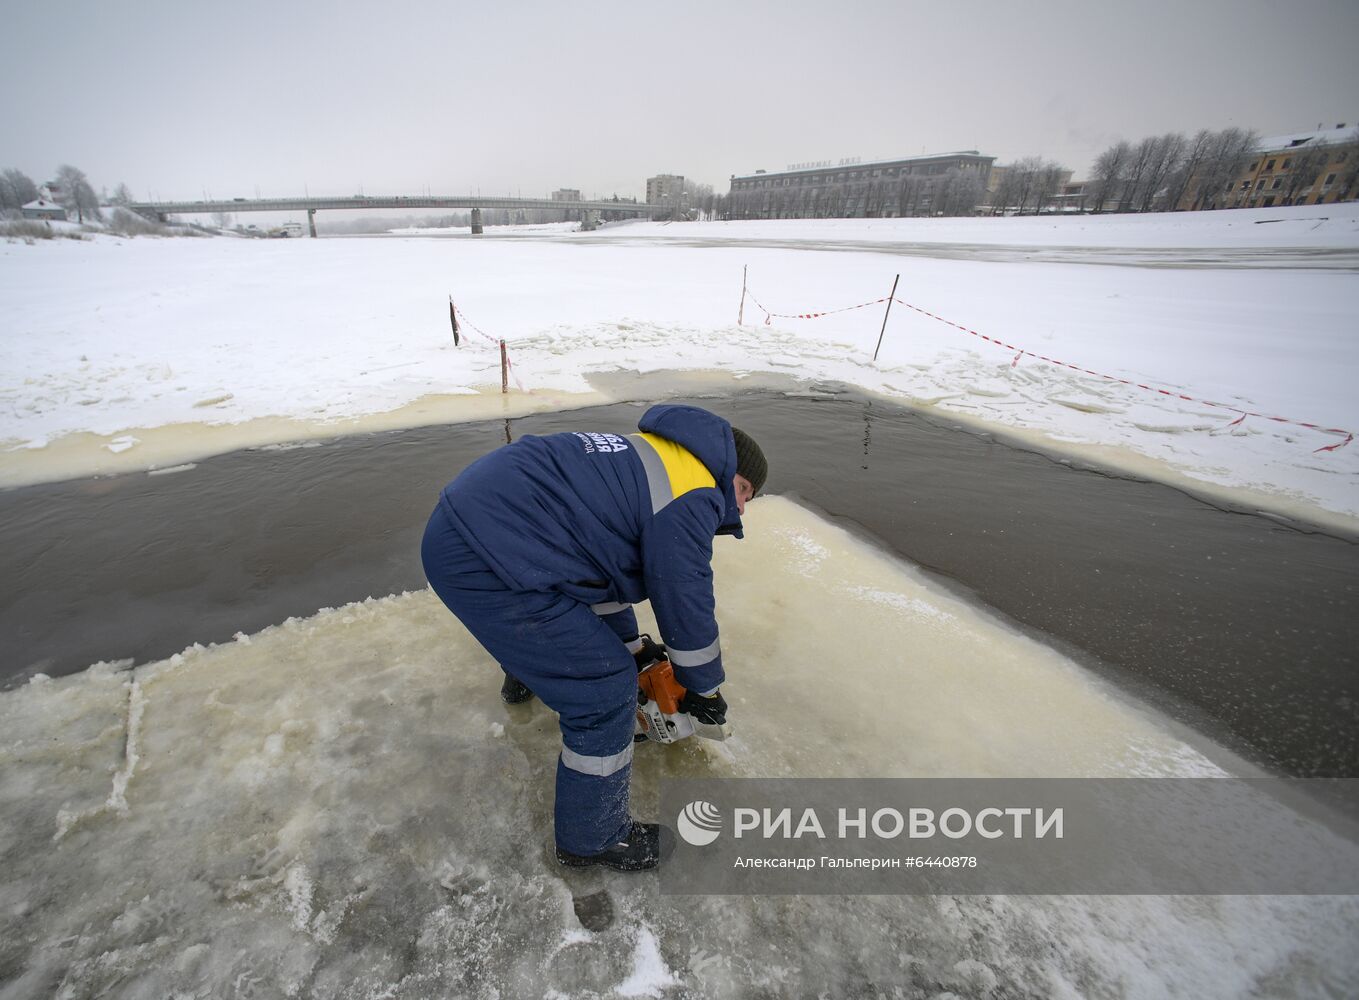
x: 590, y: 211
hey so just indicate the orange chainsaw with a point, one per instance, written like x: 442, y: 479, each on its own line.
x: 659, y: 717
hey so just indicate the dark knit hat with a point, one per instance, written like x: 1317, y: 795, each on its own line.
x: 750, y: 460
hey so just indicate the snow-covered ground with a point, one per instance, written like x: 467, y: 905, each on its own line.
x: 1328, y: 226
x: 119, y: 354
x: 341, y: 806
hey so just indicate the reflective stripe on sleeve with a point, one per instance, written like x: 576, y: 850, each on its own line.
x: 609, y: 608
x: 694, y: 657
x: 599, y: 766
x: 657, y: 479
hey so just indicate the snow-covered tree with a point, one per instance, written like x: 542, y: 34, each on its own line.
x: 75, y: 194
x: 16, y: 190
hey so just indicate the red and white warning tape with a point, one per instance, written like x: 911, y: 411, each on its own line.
x: 514, y: 374
x: 1020, y: 352
x: 492, y: 341
x: 1243, y: 413
x: 812, y: 315
x: 462, y: 318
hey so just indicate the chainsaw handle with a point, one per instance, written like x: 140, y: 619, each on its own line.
x: 659, y: 685
x: 649, y: 652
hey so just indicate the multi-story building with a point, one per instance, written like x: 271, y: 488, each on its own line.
x: 1316, y: 167
x: 665, y: 189
x: 1073, y: 195
x: 568, y: 194
x: 946, y: 183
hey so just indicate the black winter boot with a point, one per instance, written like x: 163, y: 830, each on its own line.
x: 642, y: 850
x: 512, y: 692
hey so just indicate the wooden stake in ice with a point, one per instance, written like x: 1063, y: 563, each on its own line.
x: 885, y: 315
x: 741, y: 313
x: 504, y: 370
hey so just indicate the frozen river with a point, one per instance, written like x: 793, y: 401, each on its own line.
x: 1288, y: 258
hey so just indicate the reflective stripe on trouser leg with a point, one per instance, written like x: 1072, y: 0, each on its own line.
x: 601, y: 767
x: 595, y: 766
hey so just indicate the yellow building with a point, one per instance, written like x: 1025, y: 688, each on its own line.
x: 1304, y: 168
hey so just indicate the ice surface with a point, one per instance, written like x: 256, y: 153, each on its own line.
x: 1329, y: 226
x: 341, y: 806
x: 196, y: 347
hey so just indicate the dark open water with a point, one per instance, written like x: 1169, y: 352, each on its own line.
x: 1243, y: 626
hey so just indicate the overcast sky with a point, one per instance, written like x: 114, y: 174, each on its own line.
x: 179, y: 99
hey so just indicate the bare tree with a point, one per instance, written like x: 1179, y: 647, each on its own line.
x: 1139, y: 164
x: 1168, y: 152
x: 823, y: 202
x: 695, y: 195
x: 1227, y: 154
x: 941, y: 195
x: 16, y: 190
x: 957, y: 193
x: 122, y: 195
x: 75, y: 193
x: 779, y: 202
x: 970, y: 193
x: 856, y: 198
x: 1199, y: 186
x: 1032, y: 183
x: 1348, y: 174
x: 1109, y: 171
x: 910, y: 194
x: 841, y: 197
x: 1047, y: 184
x: 1026, y: 173
x: 1196, y: 151
x: 874, y: 199
x: 1008, y: 190
x: 1304, y: 166
x: 1017, y: 185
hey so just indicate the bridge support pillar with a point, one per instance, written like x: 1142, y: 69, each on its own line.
x: 476, y: 222
x: 589, y: 220
x: 311, y: 222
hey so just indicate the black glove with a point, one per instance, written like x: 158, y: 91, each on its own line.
x: 712, y: 711
x: 651, y: 652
